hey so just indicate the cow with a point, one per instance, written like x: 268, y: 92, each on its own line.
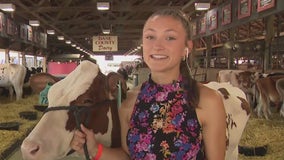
x: 268, y: 94
x: 237, y: 114
x: 280, y: 89
x: 245, y: 80
x: 38, y: 81
x: 12, y: 76
x: 87, y: 91
x: 87, y: 87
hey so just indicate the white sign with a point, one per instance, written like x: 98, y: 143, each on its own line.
x: 104, y: 43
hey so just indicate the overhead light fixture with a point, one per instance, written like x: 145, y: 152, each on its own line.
x: 60, y: 38
x: 50, y: 31
x: 202, y: 6
x: 73, y: 45
x: 68, y: 42
x: 7, y: 7
x: 34, y: 23
x: 103, y: 6
x: 106, y: 31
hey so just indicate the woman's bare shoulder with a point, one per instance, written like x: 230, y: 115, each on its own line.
x: 207, y: 92
x: 210, y: 108
x: 131, y: 97
x: 209, y: 97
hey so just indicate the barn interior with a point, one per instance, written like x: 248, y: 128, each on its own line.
x: 230, y: 34
x: 241, y: 40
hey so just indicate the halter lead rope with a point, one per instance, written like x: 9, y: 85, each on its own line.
x: 78, y: 122
x: 75, y: 110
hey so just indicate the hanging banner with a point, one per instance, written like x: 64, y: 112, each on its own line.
x: 227, y: 14
x: 104, y: 43
x: 212, y: 19
x: 265, y: 4
x: 24, y: 32
x: 2, y: 22
x: 30, y: 33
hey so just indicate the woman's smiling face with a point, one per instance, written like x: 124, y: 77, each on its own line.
x: 164, y: 43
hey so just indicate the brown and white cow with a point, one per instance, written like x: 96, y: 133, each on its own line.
x: 12, y: 76
x: 238, y: 111
x: 86, y: 86
x: 245, y: 80
x: 280, y: 89
x: 95, y: 94
x: 268, y: 94
x: 38, y: 81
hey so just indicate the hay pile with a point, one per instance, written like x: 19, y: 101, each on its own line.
x: 259, y: 132
x: 10, y: 112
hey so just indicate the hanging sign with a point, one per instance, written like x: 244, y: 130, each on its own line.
x: 30, y: 33
x: 212, y: 19
x: 202, y: 25
x: 194, y: 28
x: 265, y: 4
x: 227, y: 14
x: 2, y: 22
x: 244, y: 8
x: 104, y: 43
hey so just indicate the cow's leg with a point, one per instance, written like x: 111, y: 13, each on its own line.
x: 250, y: 99
x: 232, y: 154
x: 256, y: 97
x: 266, y: 107
x: 19, y: 92
x: 11, y: 92
x: 259, y: 106
x: 282, y: 109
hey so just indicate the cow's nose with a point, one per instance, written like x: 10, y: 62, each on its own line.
x: 30, y: 149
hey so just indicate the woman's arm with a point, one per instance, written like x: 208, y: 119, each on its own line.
x: 80, y: 138
x: 125, y: 113
x: 213, y: 119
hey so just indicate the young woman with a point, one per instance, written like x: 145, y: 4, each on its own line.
x: 170, y: 116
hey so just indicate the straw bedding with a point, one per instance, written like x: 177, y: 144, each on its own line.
x: 258, y: 132
x: 10, y: 110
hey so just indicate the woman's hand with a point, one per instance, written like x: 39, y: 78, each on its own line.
x: 79, y: 139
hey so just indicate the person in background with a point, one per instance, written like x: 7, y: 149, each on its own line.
x: 169, y: 116
x: 123, y: 72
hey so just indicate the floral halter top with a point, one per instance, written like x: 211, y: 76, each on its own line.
x: 162, y: 126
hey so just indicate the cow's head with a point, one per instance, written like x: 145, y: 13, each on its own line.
x: 95, y: 94
x: 246, y: 80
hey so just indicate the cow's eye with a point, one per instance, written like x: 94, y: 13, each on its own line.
x: 88, y: 101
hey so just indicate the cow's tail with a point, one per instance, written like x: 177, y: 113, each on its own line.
x: 253, y: 151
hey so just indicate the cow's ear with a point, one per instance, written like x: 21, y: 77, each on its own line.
x: 113, y: 79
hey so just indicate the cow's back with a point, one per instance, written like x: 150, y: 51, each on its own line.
x: 224, y: 75
x: 39, y: 81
